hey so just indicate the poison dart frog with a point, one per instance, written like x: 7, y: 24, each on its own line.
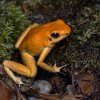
x: 36, y: 40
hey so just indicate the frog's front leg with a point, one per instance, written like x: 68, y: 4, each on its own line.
x: 30, y: 70
x: 45, y: 66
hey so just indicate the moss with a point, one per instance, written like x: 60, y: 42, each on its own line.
x: 12, y: 24
x: 83, y: 53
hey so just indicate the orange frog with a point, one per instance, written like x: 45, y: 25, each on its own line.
x: 36, y: 40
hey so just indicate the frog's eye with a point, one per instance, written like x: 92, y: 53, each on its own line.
x: 55, y: 35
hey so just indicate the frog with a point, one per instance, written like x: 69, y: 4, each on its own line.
x: 36, y: 40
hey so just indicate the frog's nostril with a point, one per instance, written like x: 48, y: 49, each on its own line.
x: 67, y: 33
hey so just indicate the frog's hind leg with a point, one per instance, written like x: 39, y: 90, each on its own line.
x: 29, y: 70
x: 30, y: 62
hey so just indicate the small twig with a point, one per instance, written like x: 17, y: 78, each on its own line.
x: 17, y: 92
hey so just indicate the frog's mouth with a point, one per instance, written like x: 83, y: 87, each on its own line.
x: 58, y: 39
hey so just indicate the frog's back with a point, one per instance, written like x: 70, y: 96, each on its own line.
x: 23, y: 35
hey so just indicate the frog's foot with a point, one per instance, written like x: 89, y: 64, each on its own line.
x: 57, y: 69
x: 18, y: 81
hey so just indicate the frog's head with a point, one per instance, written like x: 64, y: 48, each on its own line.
x: 57, y: 31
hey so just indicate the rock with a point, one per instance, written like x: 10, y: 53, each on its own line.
x: 43, y: 86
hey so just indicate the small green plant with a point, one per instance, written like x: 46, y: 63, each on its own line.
x: 84, y: 53
x: 6, y: 29
x: 12, y: 24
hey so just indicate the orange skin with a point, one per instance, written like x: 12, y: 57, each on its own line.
x: 37, y: 40
x: 40, y: 38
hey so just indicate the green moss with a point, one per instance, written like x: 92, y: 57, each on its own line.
x: 83, y: 50
x: 12, y: 24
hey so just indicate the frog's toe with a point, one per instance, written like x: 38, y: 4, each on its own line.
x: 19, y: 81
x: 58, y: 69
